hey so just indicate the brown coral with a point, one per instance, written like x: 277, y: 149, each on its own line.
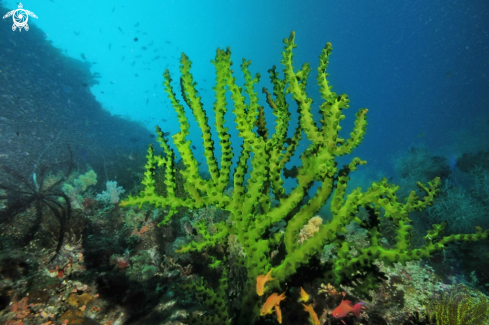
x: 310, y: 229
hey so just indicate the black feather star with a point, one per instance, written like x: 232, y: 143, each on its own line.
x: 40, y: 192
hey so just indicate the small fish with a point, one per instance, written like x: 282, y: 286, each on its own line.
x: 136, y: 24
x: 110, y: 46
x: 113, y: 9
x: 313, y: 317
x: 144, y: 48
x: 188, y: 228
x: 278, y: 313
x: 83, y: 56
x: 273, y: 301
x: 168, y: 42
x: 165, y: 134
x: 156, y: 57
x: 77, y: 33
x: 152, y: 136
x: 133, y: 63
x: 304, y: 296
x: 194, y: 147
x: 346, y: 307
x: 147, y: 101
x: 120, y: 29
x: 260, y: 282
x: 136, y: 39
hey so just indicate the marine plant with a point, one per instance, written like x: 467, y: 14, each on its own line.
x: 257, y: 181
x: 41, y: 191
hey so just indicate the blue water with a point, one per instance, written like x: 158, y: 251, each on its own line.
x: 420, y: 67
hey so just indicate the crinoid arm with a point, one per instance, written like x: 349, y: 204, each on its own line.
x: 37, y: 191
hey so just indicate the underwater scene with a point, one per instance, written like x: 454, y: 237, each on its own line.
x: 244, y: 162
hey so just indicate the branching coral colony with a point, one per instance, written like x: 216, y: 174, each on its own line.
x: 263, y: 157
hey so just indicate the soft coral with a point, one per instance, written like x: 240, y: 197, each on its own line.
x: 122, y: 261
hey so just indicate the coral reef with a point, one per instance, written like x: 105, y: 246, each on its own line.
x: 470, y: 161
x: 74, y: 188
x: 460, y: 305
x: 459, y: 209
x: 419, y: 165
x: 257, y: 181
x: 309, y: 229
x: 39, y: 191
x: 112, y: 194
x: 404, y: 293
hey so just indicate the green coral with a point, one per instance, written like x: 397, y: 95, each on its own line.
x: 143, y: 266
x: 85, y: 180
x: 257, y: 180
x: 80, y: 184
x: 215, y: 299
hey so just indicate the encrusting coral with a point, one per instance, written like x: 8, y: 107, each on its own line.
x: 258, y: 173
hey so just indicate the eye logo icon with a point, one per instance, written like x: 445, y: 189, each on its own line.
x: 20, y: 17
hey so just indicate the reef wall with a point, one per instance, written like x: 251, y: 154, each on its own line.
x: 46, y: 103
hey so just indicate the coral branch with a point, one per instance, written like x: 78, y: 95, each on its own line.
x: 257, y: 180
